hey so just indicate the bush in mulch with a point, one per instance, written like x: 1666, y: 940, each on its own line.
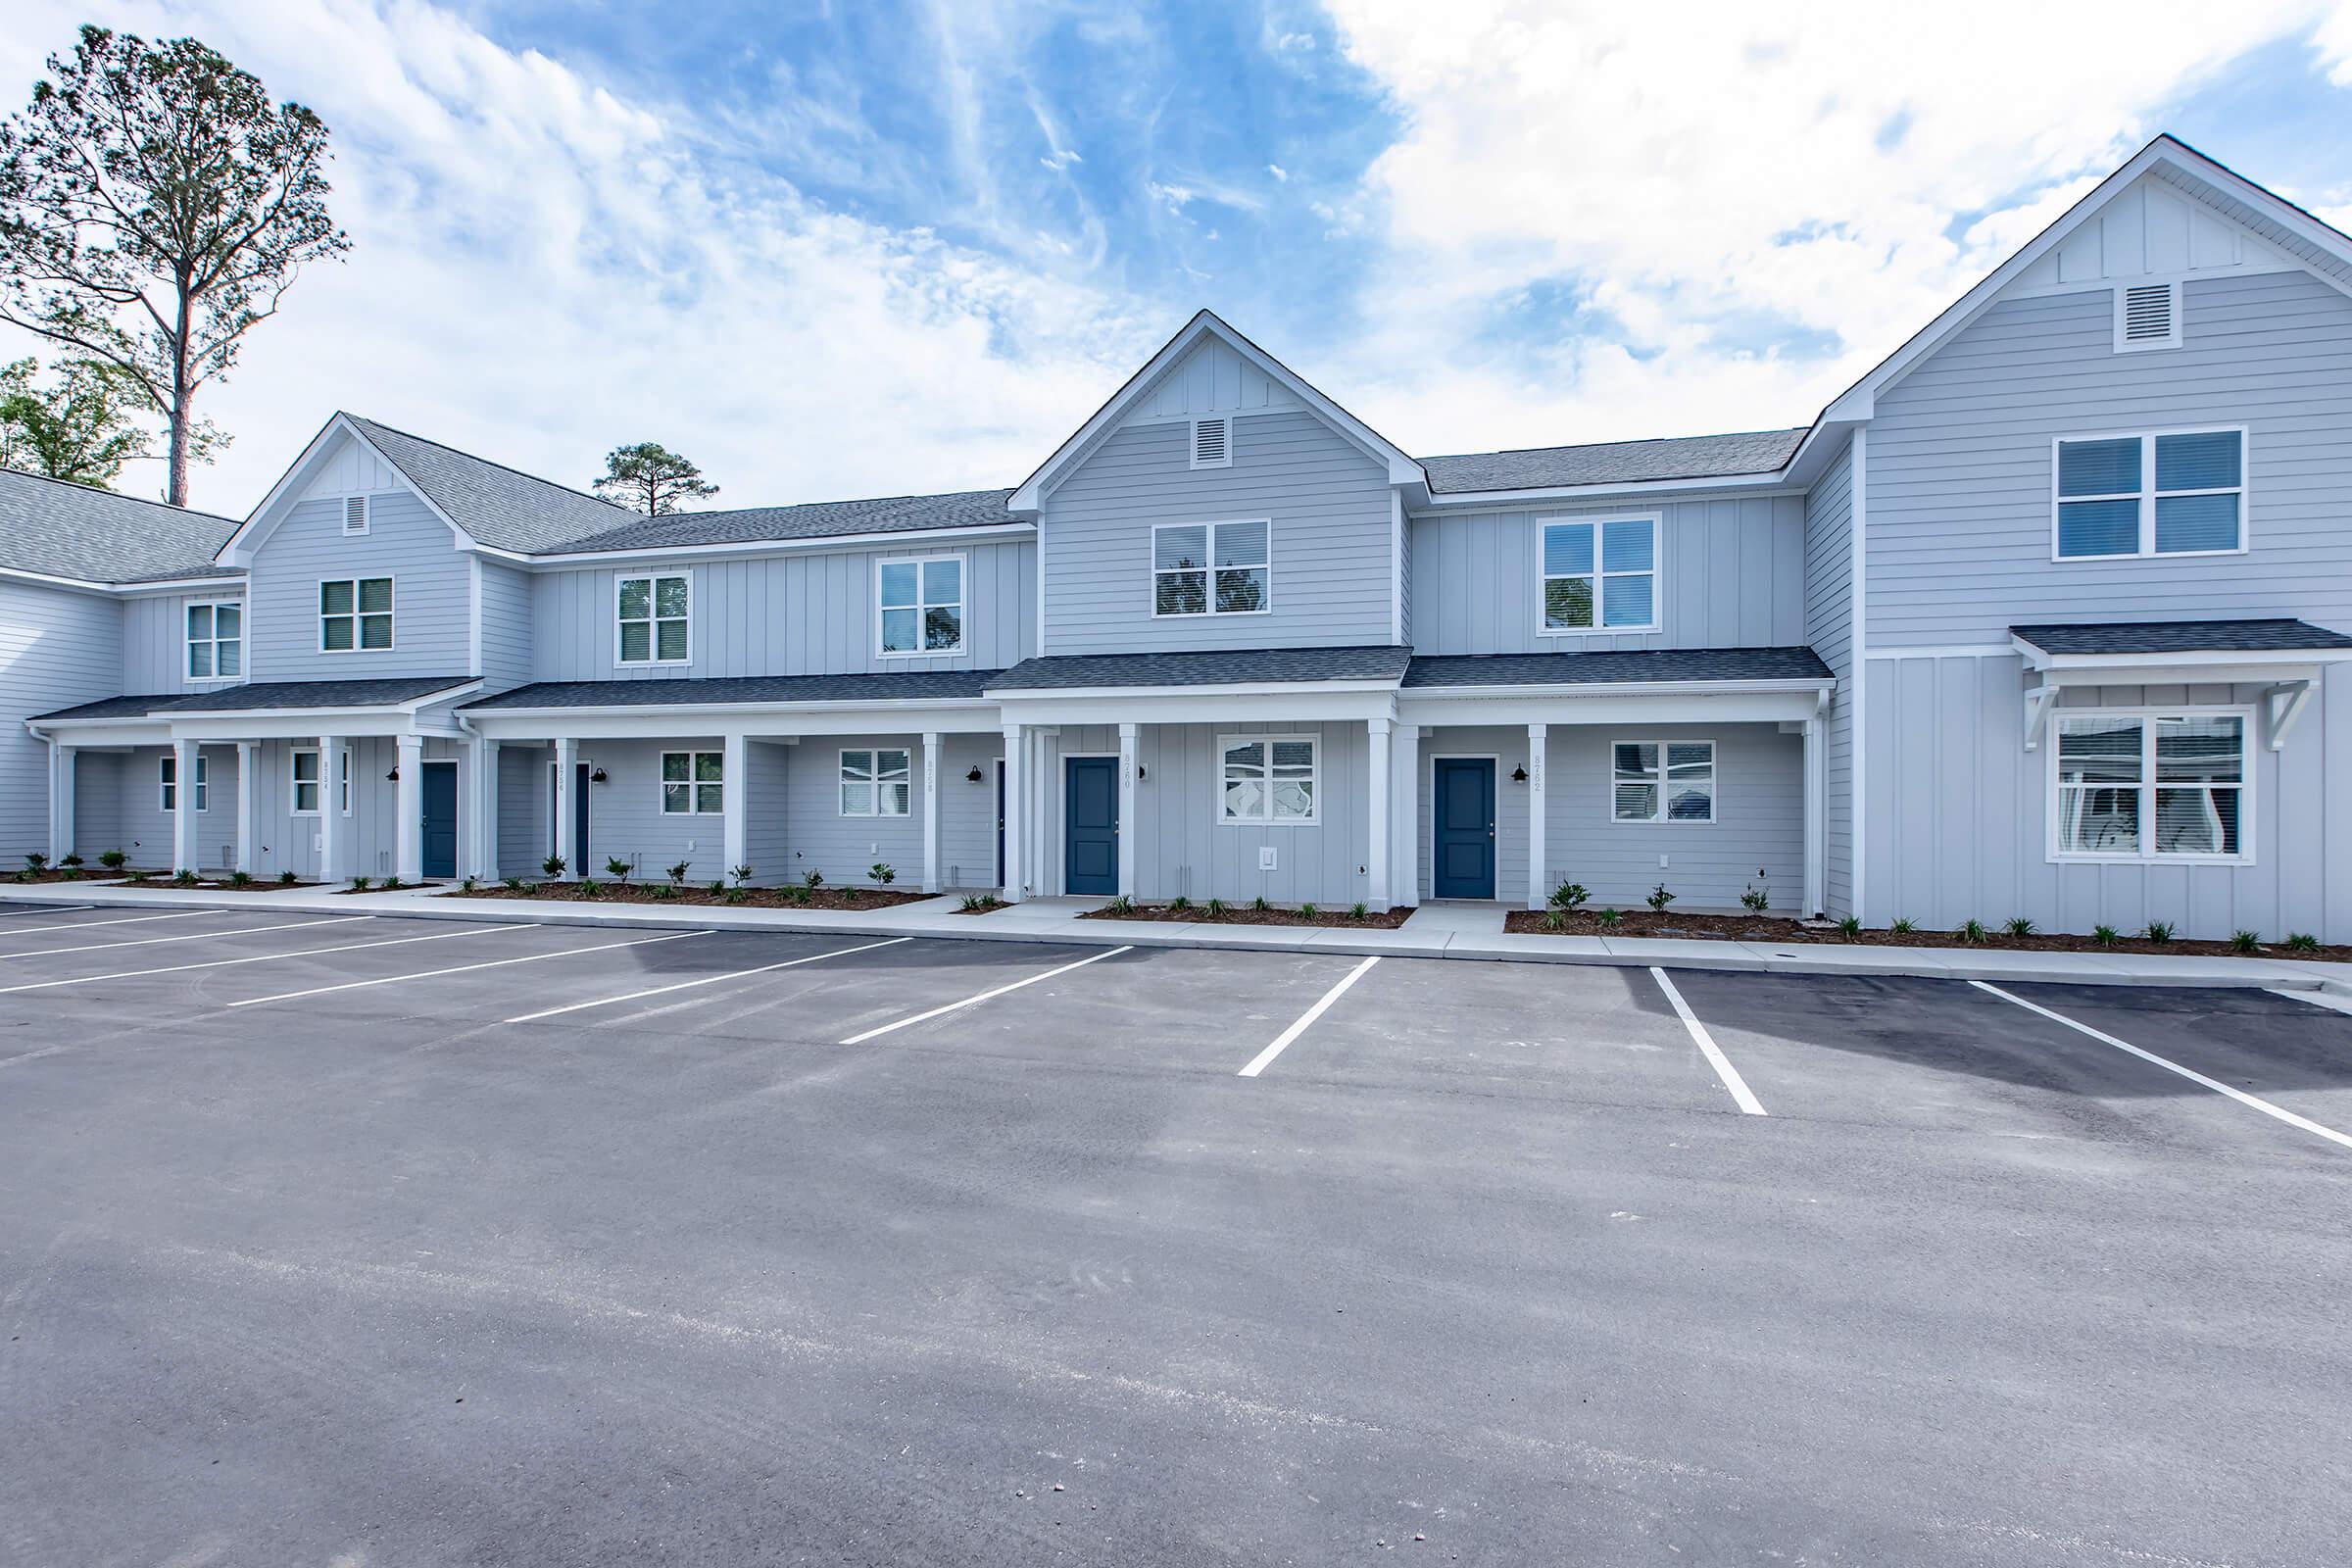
x: 794, y: 896
x: 1217, y: 912
x: 2010, y: 936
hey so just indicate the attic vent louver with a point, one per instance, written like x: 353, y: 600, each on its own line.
x: 1212, y: 444
x: 355, y: 515
x: 2147, y: 315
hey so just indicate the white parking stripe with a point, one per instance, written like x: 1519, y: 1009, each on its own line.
x: 2191, y: 1074
x: 259, y: 957
x: 1259, y: 1063
x: 1740, y: 1094
x: 15, y: 931
x: 706, y: 980
x: 199, y: 936
x: 973, y: 1001
x: 464, y: 968
x: 45, y: 908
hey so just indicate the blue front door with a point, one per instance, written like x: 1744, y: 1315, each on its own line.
x: 440, y: 788
x: 1462, y: 808
x: 1090, y: 836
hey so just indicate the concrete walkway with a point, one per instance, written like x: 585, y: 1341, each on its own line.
x: 1436, y: 931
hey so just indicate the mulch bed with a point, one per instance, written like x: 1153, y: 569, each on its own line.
x: 1199, y: 915
x: 661, y: 893
x: 386, y: 887
x: 983, y: 906
x: 257, y: 885
x: 87, y: 873
x: 1765, y: 928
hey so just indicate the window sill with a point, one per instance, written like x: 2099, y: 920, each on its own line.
x: 1600, y: 632
x: 923, y: 653
x: 1260, y: 822
x: 1209, y: 614
x: 2147, y: 555
x: 2063, y: 859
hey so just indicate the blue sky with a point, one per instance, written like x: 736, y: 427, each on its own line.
x: 849, y: 249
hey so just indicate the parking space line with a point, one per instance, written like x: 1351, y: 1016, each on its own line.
x: 2191, y: 1074
x: 87, y: 925
x: 149, y: 942
x: 465, y: 969
x: 973, y: 1001
x: 706, y: 980
x: 1742, y: 1095
x: 1259, y: 1062
x: 262, y: 957
x: 45, y: 908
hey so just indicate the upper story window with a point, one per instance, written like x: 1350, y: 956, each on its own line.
x: 2147, y: 786
x: 168, y: 778
x: 2174, y: 493
x: 654, y: 619
x: 1268, y: 779
x: 1213, y: 569
x: 922, y: 605
x: 355, y: 614
x: 1600, y: 575
x: 875, y: 783
x: 216, y: 642
x: 1663, y: 781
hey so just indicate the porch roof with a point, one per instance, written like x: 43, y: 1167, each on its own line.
x: 886, y: 686
x: 1249, y: 666
x: 1458, y: 671
x: 267, y: 696
x: 2108, y: 639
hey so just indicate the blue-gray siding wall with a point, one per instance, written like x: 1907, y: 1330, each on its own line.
x: 56, y: 649
x: 155, y: 641
x: 1960, y: 455
x: 1332, y: 546
x: 809, y: 614
x: 1756, y: 840
x: 1731, y: 574
x: 522, y: 831
x: 1830, y: 631
x: 432, y: 592
x: 506, y: 658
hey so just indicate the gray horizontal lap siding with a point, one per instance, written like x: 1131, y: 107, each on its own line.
x: 1960, y: 455
x: 56, y: 649
x: 1830, y: 630
x: 432, y: 592
x: 1332, y: 551
x: 1757, y: 838
x: 802, y: 613
x: 1732, y: 574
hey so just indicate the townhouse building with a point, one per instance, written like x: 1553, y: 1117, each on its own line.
x: 2037, y: 619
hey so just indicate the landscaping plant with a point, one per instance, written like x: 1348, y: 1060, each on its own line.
x: 2019, y: 926
x: 1850, y: 927
x: 1122, y: 904
x: 240, y: 879
x: 552, y: 866
x: 1260, y: 904
x: 1214, y: 909
x: 2302, y: 942
x: 1610, y: 917
x: 814, y: 880
x: 285, y: 879
x: 1904, y: 927
x: 678, y: 873
x: 1555, y: 920
x: 882, y: 872
x: 2159, y: 931
x: 1659, y: 897
x: 1180, y: 903
x: 1306, y: 911
x: 2247, y: 942
x: 113, y: 859
x: 1757, y: 897
x: 1358, y: 911
x: 513, y: 884
x: 1569, y: 896
x: 185, y: 878
x: 1973, y: 931
x: 2106, y: 936
x: 620, y: 869
x: 359, y: 884
x: 36, y: 863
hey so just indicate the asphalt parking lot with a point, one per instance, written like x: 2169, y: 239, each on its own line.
x: 393, y: 1240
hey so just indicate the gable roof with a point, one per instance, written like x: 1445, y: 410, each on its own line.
x: 53, y: 528
x: 1698, y: 457
x: 815, y: 519
x: 497, y: 506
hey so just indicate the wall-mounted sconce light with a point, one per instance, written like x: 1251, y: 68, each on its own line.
x: 392, y: 777
x: 1518, y: 776
x: 974, y: 777
x: 595, y: 776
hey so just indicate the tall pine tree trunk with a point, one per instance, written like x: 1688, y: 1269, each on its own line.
x: 183, y: 399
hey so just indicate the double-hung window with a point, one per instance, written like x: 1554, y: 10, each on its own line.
x: 355, y: 614
x: 216, y: 642
x: 2181, y: 493
x: 922, y: 605
x: 1662, y: 781
x: 1213, y: 569
x: 654, y: 616
x: 874, y: 783
x: 694, y: 783
x: 1268, y: 778
x: 2150, y: 786
x: 303, y: 774
x: 1600, y: 575
x: 168, y: 777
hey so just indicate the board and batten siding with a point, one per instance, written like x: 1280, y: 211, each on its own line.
x: 1332, y: 549
x: 432, y: 592
x: 507, y: 657
x: 155, y: 641
x: 802, y: 613
x: 1829, y: 632
x: 1732, y: 574
x: 1960, y: 463
x: 56, y: 648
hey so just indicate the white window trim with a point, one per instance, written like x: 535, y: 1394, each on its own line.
x: 652, y: 622
x: 1212, y: 611
x: 2123, y: 289
x: 1192, y: 432
x: 319, y: 616
x: 1714, y: 816
x: 2053, y: 791
x: 964, y: 606
x: 873, y: 779
x: 1656, y: 574
x: 188, y: 643
x: 1314, y: 781
x: 203, y: 794
x: 292, y: 792
x: 694, y: 784
x: 2146, y: 496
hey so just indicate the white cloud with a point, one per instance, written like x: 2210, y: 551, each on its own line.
x: 1278, y: 172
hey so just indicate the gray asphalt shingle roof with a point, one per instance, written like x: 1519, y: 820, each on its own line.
x: 816, y: 519
x: 2181, y: 637
x: 1637, y: 664
x: 71, y: 530
x: 888, y: 686
x: 498, y: 505
x: 1698, y: 457
x: 262, y: 696
x: 1225, y: 668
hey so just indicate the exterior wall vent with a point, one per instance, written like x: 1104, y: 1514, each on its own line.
x: 1213, y: 443
x: 2147, y: 315
x: 355, y: 515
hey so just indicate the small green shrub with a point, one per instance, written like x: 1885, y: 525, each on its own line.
x: 2302, y: 942
x: 883, y: 872
x: 468, y: 885
x: 393, y: 884
x: 1659, y: 897
x: 534, y: 889
x: 743, y: 874
x: 2247, y: 942
x: 2019, y: 926
x: 1555, y: 919
x: 1610, y: 917
x: 71, y: 873
x: 976, y: 903
x: 1122, y: 904
x: 361, y: 884
x: 1307, y: 911
x: 1180, y: 904
x: 139, y: 876
x: 113, y: 859
x: 1758, y: 897
x: 1214, y: 909
x: 1904, y: 927
x: 619, y: 869
x: 720, y: 886
x: 286, y: 879
x: 797, y: 891
x: 513, y: 884
x: 1973, y: 931
x: 1569, y: 896
x: 2106, y: 936
x: 70, y: 861
x: 734, y: 895
x: 2158, y: 931
x: 852, y: 894
x: 183, y: 877
x: 552, y: 866
x: 36, y: 863
x: 678, y: 873
x: 1359, y: 912
x: 1850, y: 927
x: 591, y: 888
x: 240, y: 879
x: 1260, y: 904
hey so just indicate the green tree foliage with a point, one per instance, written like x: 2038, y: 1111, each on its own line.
x: 651, y: 478
x: 84, y: 428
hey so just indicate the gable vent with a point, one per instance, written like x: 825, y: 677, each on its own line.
x: 355, y: 515
x: 1213, y: 443
x: 2147, y: 315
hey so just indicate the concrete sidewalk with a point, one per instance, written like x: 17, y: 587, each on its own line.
x: 1435, y: 931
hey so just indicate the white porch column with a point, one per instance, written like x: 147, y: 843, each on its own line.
x: 1382, y: 831
x: 61, y: 802
x: 1536, y: 747
x: 1129, y: 833
x: 484, y: 814
x: 1016, y: 812
x: 185, y: 757
x: 567, y: 758
x: 1405, y: 873
x: 1816, y: 822
x: 249, y: 766
x: 734, y: 797
x: 331, y: 833
x: 407, y: 840
x: 930, y: 810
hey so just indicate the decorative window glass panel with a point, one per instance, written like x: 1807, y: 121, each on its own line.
x: 694, y: 783
x: 876, y: 783
x: 355, y: 614
x: 2151, y: 495
x: 1270, y: 779
x: 1662, y: 781
x: 654, y: 617
x: 1599, y: 576
x: 2139, y: 787
x: 922, y: 606
x: 1206, y: 568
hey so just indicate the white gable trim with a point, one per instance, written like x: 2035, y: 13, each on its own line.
x: 1030, y: 497
x: 257, y: 528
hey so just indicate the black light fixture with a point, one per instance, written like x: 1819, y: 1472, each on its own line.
x: 392, y: 777
x: 1519, y: 775
x: 974, y: 777
x: 1142, y: 772
x: 595, y: 776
